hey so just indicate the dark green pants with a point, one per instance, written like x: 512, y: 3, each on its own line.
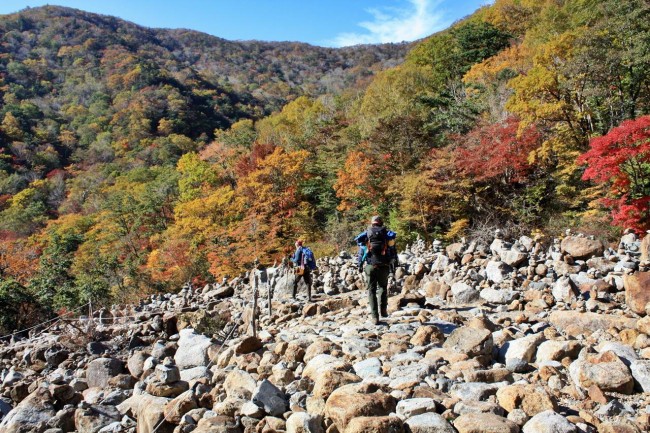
x: 377, y: 284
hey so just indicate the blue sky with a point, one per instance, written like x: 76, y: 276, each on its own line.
x: 319, y: 22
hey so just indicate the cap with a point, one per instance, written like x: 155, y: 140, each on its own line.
x: 376, y: 220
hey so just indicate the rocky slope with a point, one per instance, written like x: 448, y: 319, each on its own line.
x: 516, y: 337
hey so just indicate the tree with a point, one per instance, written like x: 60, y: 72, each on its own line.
x: 620, y: 161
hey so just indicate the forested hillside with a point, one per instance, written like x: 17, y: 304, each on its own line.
x: 134, y: 160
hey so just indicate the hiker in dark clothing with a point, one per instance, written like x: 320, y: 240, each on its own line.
x: 377, y: 261
x: 302, y: 270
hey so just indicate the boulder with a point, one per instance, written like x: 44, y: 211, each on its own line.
x: 369, y: 367
x: 470, y: 341
x: 36, y: 409
x: 148, y: 411
x: 464, y: 293
x: 93, y: 418
x: 270, y: 398
x: 101, y: 370
x: 575, y: 323
x: 641, y: 373
x: 637, y: 291
x: 605, y: 370
x: 324, y: 362
x: 247, y: 345
x: 192, y: 350
x: 529, y: 398
x: 429, y: 422
x: 521, y: 351
x: 484, y: 423
x: 217, y: 424
x: 549, y: 422
x: 415, y: 406
x: 500, y: 296
x: 427, y: 334
x: 375, y: 424
x: 556, y: 350
x: 239, y: 384
x: 330, y: 380
x: 513, y: 257
x: 582, y: 248
x: 135, y: 363
x: 496, y: 272
x: 355, y: 400
x: 302, y: 422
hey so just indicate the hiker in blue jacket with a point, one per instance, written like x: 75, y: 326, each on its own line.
x: 302, y: 261
x: 376, y: 255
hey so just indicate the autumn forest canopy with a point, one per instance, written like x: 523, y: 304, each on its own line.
x: 133, y: 160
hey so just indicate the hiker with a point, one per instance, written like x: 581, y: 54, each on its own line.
x: 304, y: 264
x: 374, y: 260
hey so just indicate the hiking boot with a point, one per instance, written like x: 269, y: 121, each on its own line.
x: 375, y: 320
x: 384, y: 313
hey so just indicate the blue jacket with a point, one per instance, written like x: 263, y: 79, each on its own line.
x: 297, y: 257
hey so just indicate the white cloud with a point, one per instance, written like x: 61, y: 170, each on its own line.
x: 416, y: 21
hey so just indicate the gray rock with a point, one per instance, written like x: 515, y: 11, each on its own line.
x: 513, y: 257
x: 470, y: 341
x: 496, y: 272
x: 192, y: 350
x: 521, y: 351
x: 429, y: 423
x: 37, y: 409
x: 303, y: 422
x: 495, y: 296
x: 370, y: 367
x: 626, y: 353
x: 475, y: 390
x: 167, y: 374
x: 270, y: 398
x: 101, y: 370
x: 415, y: 406
x: 563, y: 290
x: 641, y: 373
x: 549, y: 422
x: 464, y: 293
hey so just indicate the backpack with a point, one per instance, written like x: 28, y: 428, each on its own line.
x: 308, y: 259
x: 377, y: 246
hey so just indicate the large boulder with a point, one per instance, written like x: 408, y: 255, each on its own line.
x: 574, y: 323
x: 637, y: 292
x: 95, y: 417
x: 529, y: 398
x: 484, y: 423
x: 556, y: 350
x: 520, y: 352
x: 497, y: 271
x: 582, y: 248
x: 303, y: 422
x: 192, y: 350
x: 470, y: 341
x: 605, y: 370
x: 101, y: 370
x: 549, y: 422
x: 375, y: 424
x: 34, y: 411
x: 355, y: 400
x: 429, y: 422
x: 330, y: 380
x: 148, y: 412
x: 270, y: 398
x: 323, y: 362
x: 218, y: 424
x: 239, y: 384
x: 464, y: 293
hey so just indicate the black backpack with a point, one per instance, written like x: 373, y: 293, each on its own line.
x: 377, y: 246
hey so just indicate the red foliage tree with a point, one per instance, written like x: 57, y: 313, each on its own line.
x: 497, y: 152
x: 620, y: 161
